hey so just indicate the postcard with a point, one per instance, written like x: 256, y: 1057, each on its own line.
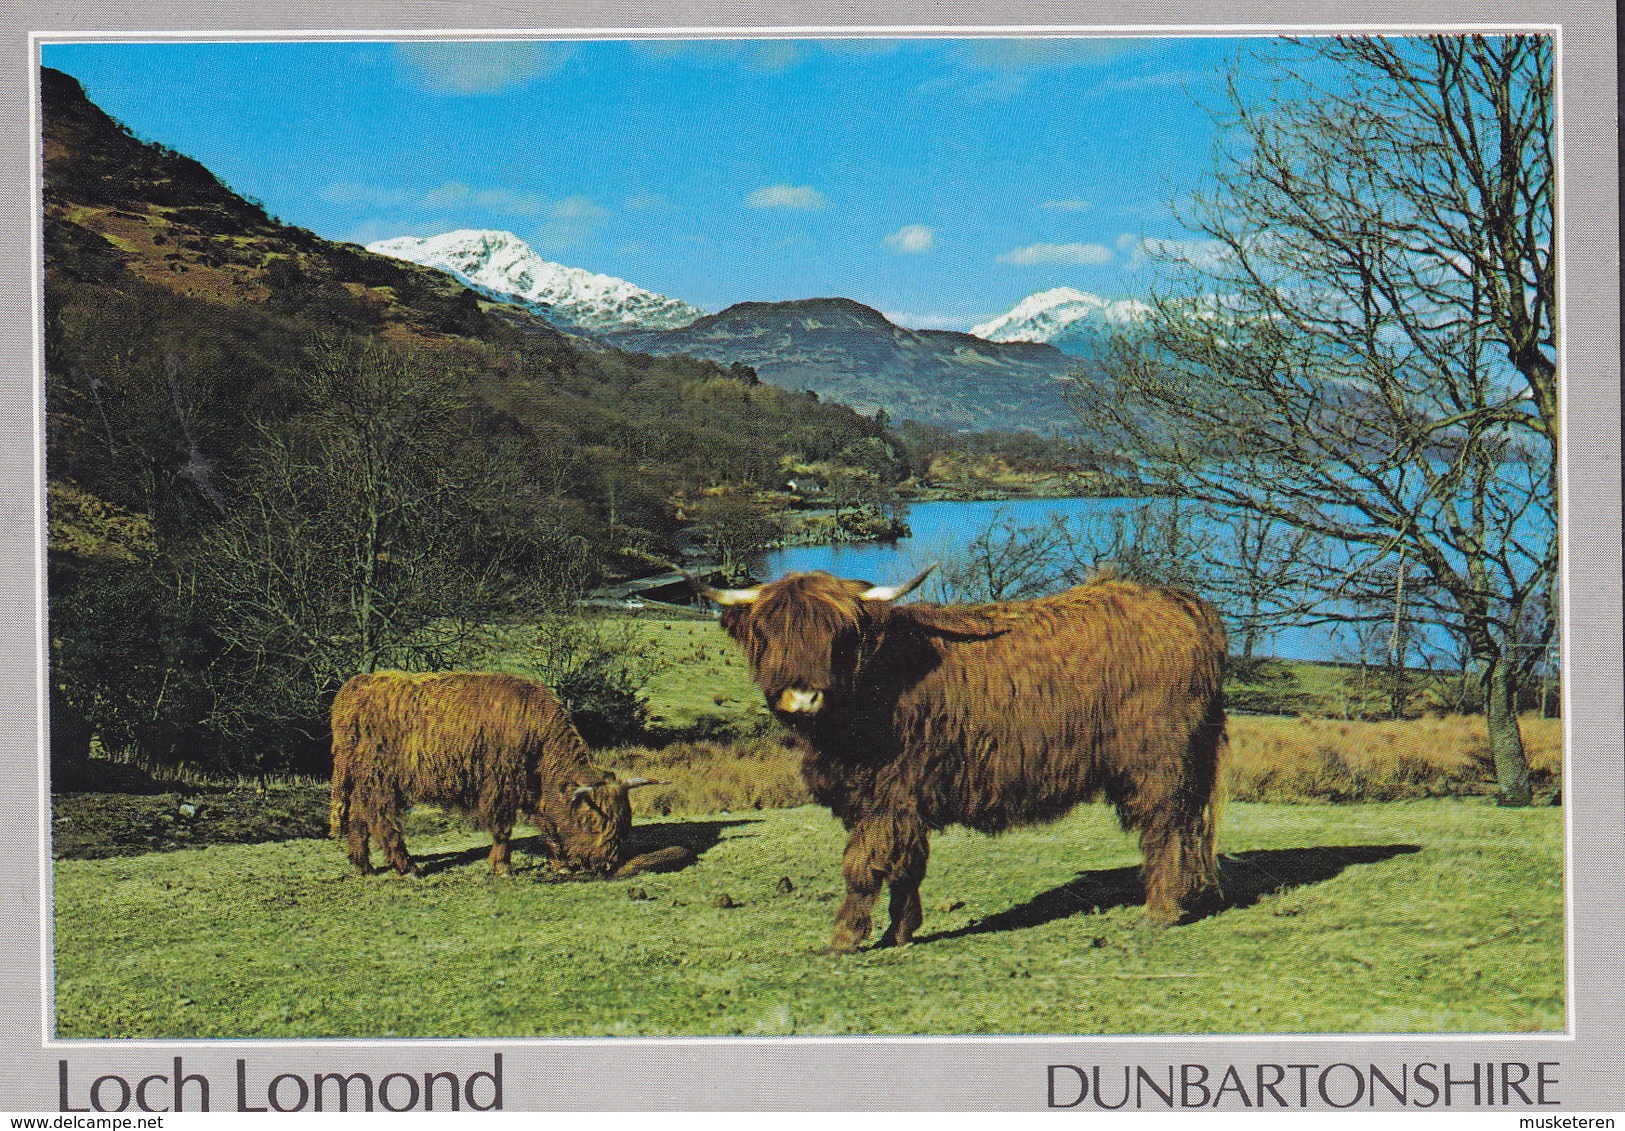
x: 823, y: 565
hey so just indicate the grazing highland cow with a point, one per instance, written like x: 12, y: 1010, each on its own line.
x: 494, y: 746
x: 916, y: 717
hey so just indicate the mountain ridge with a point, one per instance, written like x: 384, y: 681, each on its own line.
x: 505, y: 268
x: 844, y: 350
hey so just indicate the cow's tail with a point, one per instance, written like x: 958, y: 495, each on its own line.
x: 344, y: 744
x: 1217, y: 733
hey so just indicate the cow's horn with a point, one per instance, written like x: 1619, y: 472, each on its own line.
x: 633, y: 783
x: 581, y: 791
x: 893, y: 592
x: 723, y: 596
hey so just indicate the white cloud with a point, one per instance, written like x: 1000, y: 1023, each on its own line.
x: 400, y: 211
x: 570, y: 222
x: 368, y: 196
x: 506, y: 201
x: 1088, y: 253
x: 912, y: 239
x: 578, y: 208
x: 451, y: 195
x: 1201, y: 254
x: 1193, y: 79
x: 1070, y: 205
x: 774, y: 56
x: 375, y: 228
x: 800, y: 198
x: 480, y: 67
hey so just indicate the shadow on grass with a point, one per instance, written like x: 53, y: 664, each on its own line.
x: 1245, y: 876
x: 695, y: 837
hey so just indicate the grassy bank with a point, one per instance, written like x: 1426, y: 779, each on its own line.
x: 1429, y: 916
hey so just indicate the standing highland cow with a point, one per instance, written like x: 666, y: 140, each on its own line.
x: 496, y: 747
x: 916, y: 717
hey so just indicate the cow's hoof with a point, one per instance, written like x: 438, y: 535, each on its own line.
x: 846, y: 940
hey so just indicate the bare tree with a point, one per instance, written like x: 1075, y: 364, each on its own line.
x: 736, y: 528
x: 1365, y: 347
x: 347, y: 552
x: 1011, y: 560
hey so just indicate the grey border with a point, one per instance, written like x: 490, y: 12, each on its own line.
x: 799, y: 1073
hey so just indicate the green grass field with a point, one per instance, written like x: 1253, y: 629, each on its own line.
x: 1441, y: 915
x: 1435, y: 914
x: 704, y: 677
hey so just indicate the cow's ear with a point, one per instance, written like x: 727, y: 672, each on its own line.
x: 733, y: 620
x: 955, y: 624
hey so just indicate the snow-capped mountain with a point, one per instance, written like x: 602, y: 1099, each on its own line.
x: 1058, y: 315
x: 502, y: 266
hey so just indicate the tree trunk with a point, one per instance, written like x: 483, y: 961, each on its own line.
x: 364, y: 611
x: 1506, y: 740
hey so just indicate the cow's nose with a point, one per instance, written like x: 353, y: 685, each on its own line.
x: 795, y: 702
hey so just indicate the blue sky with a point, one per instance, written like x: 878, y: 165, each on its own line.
x: 940, y: 181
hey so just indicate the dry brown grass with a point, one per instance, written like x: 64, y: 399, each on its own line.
x: 1270, y: 759
x: 710, y: 777
x: 1304, y: 759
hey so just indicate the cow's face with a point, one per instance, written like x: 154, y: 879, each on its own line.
x: 808, y: 636
x: 593, y: 823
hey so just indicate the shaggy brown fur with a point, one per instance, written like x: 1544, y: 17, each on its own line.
x: 993, y: 716
x: 496, y: 747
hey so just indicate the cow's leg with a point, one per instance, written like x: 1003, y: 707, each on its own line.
x: 499, y: 850
x: 360, y: 854
x: 386, y: 826
x: 887, y: 849
x: 908, y: 868
x: 1160, y: 845
x: 1181, y: 876
x: 1177, y: 825
x: 865, y: 865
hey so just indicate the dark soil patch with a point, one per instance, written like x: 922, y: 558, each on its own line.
x: 169, y: 815
x: 87, y: 826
